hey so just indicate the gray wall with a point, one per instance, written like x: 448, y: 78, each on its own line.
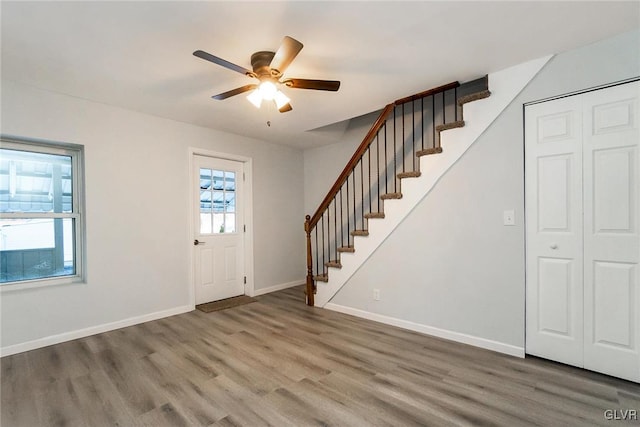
x: 137, y: 212
x: 452, y: 264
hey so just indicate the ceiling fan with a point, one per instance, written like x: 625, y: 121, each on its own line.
x: 268, y: 68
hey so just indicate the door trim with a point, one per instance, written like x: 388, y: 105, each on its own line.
x: 581, y: 91
x: 249, y: 287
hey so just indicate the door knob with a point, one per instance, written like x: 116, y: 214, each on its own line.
x: 553, y: 246
x: 198, y: 242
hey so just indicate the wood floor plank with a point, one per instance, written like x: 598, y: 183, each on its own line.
x: 99, y: 402
x: 17, y: 386
x: 383, y: 405
x: 165, y: 415
x: 245, y: 408
x: 135, y: 390
x: 333, y: 400
x: 58, y: 404
x: 186, y: 397
x: 278, y: 362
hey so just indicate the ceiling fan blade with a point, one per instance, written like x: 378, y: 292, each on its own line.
x: 211, y: 58
x: 288, y: 50
x: 286, y: 107
x: 234, y: 92
x: 331, y: 85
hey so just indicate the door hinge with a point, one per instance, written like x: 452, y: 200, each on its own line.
x: 244, y: 228
x: 245, y: 280
x: 243, y: 177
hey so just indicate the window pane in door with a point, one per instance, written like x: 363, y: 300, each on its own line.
x: 230, y: 221
x: 206, y: 217
x: 206, y: 220
x: 218, y: 223
x: 218, y: 201
x: 230, y: 181
x: 205, y: 201
x: 230, y: 202
x: 218, y: 179
x: 205, y: 179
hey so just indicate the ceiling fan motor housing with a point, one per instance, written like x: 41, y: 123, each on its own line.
x: 260, y: 62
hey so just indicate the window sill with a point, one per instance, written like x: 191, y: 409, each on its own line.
x: 39, y: 283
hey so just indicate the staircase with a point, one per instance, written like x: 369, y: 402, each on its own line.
x: 404, y: 143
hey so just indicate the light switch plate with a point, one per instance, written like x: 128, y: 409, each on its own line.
x: 509, y: 217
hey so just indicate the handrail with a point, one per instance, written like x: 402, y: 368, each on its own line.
x: 426, y: 93
x: 362, y: 148
x: 350, y: 165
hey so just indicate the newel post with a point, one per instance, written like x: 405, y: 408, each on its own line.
x: 310, y: 287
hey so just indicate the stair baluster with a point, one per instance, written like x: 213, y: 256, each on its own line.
x: 346, y: 218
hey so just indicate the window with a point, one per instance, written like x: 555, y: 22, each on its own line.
x: 41, y: 223
x: 217, y: 201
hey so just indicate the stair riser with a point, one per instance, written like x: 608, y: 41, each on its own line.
x: 505, y: 86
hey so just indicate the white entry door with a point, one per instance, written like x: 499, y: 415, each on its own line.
x: 219, y: 228
x: 583, y: 245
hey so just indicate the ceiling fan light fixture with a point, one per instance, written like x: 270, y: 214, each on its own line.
x: 268, y: 90
x: 255, y: 98
x: 281, y: 99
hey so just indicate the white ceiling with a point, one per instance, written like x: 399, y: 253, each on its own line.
x: 138, y: 55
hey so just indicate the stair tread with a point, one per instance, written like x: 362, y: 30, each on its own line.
x: 451, y: 125
x: 346, y: 249
x: 334, y: 264
x: 360, y: 233
x: 409, y: 174
x: 474, y: 97
x: 428, y: 151
x: 321, y: 278
x: 374, y: 215
x: 387, y: 196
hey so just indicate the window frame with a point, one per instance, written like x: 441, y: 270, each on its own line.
x: 76, y: 152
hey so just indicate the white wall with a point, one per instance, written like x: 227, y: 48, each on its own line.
x: 451, y: 265
x: 137, y: 213
x: 322, y: 165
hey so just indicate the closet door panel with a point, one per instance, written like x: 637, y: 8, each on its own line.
x: 611, y: 238
x: 554, y: 231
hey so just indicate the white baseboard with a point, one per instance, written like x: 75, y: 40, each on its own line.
x: 499, y: 347
x: 81, y: 333
x: 279, y: 287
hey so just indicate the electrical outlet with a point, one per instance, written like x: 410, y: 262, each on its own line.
x: 376, y: 294
x: 509, y: 217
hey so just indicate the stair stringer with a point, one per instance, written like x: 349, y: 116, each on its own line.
x: 504, y: 85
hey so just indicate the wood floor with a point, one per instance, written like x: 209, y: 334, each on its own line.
x: 278, y: 362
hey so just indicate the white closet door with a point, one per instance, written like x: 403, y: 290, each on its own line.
x: 583, y: 243
x: 611, y: 237
x: 553, y: 188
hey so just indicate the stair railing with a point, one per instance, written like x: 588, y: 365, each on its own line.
x: 340, y: 208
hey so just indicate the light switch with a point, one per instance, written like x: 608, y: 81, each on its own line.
x: 509, y: 217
